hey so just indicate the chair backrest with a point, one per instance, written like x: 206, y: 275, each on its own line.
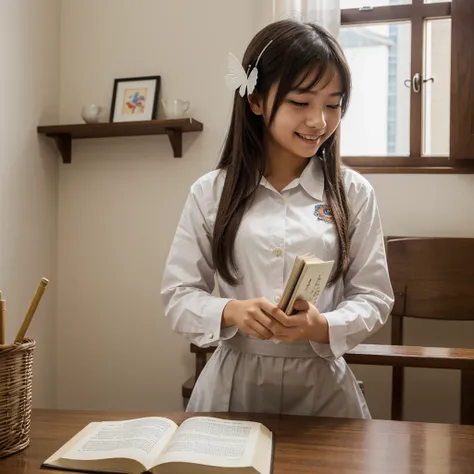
x: 432, y: 278
x: 202, y: 355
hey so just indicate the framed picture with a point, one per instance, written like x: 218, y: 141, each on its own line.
x: 135, y: 99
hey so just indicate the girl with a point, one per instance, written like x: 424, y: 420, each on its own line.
x: 280, y: 191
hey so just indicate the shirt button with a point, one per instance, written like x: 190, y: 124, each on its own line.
x: 277, y: 252
x: 277, y: 299
x: 211, y: 335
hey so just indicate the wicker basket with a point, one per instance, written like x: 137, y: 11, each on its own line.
x: 16, y: 374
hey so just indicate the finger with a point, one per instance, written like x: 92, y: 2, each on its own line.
x: 301, y: 319
x: 268, y: 322
x: 301, y: 305
x: 262, y: 331
x: 274, y: 312
x: 249, y: 329
x: 253, y: 333
x: 288, y: 321
x: 287, y: 335
x: 267, y: 307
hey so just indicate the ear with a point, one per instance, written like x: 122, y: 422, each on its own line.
x: 256, y: 103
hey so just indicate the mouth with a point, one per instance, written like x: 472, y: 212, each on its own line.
x: 309, y: 139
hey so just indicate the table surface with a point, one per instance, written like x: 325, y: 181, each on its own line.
x: 303, y: 444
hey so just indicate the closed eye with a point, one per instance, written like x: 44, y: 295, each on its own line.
x: 298, y: 104
x: 334, y: 106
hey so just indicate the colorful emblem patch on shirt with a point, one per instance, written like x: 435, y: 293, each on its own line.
x: 323, y: 213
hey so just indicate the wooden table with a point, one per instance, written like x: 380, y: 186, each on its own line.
x: 316, y: 445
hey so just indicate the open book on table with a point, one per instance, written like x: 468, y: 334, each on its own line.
x: 199, y: 445
x: 307, y: 280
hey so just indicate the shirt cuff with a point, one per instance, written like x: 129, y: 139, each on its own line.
x: 323, y: 350
x: 337, y: 346
x: 213, y: 321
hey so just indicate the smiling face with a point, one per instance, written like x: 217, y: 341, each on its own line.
x: 306, y: 117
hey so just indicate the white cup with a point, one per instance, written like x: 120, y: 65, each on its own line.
x: 175, y: 108
x: 90, y: 113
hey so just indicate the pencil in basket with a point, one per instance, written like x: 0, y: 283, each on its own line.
x: 2, y: 319
x: 31, y: 310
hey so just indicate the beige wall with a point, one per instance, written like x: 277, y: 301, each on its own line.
x: 29, y: 81
x: 120, y: 201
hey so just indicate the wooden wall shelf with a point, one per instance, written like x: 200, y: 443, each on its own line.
x: 174, y: 128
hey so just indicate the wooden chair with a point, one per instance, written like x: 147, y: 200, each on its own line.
x: 433, y: 278
x: 202, y: 354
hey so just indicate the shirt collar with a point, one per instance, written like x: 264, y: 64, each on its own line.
x: 311, y: 179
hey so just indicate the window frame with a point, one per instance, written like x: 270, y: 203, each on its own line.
x: 461, y: 156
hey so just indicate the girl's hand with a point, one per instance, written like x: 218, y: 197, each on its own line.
x: 308, y: 324
x: 256, y: 317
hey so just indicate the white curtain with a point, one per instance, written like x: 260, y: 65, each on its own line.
x: 324, y: 12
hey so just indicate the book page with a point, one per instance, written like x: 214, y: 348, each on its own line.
x: 213, y: 442
x: 291, y: 283
x: 311, y: 283
x: 141, y: 439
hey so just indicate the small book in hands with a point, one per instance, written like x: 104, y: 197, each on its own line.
x: 307, y: 280
x: 158, y: 445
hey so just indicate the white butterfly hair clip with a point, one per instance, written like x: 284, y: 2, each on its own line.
x: 238, y: 78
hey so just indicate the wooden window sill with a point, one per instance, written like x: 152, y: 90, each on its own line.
x: 408, y: 165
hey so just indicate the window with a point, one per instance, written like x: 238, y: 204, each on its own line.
x: 412, y: 108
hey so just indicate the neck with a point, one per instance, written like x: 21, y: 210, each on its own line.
x: 281, y: 166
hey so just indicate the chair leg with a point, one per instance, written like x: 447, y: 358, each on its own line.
x: 397, y: 393
x: 467, y: 397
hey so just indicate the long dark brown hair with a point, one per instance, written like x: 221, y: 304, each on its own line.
x: 296, y: 51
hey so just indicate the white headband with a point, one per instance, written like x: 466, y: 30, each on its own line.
x: 238, y: 78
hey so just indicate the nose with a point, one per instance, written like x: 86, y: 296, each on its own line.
x: 316, y: 119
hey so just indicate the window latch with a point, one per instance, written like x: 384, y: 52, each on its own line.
x: 416, y: 82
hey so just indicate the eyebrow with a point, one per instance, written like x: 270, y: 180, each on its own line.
x: 303, y: 91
